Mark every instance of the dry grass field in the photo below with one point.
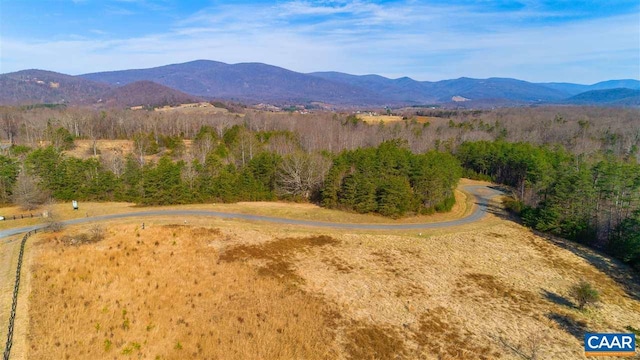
(84, 148)
(226, 289)
(194, 108)
(376, 119)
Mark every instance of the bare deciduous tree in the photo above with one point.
(53, 221)
(114, 162)
(245, 147)
(10, 125)
(27, 193)
(141, 146)
(580, 129)
(283, 144)
(301, 174)
(189, 173)
(202, 147)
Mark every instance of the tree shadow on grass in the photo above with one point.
(576, 328)
(625, 276)
(558, 299)
(502, 188)
(500, 212)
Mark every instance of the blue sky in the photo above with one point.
(533, 40)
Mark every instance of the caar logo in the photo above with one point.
(596, 344)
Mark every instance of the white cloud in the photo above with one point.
(398, 39)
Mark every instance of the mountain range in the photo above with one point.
(262, 83)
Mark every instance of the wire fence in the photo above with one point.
(14, 304)
(20, 216)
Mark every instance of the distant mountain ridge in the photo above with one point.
(146, 93)
(574, 89)
(46, 87)
(39, 86)
(618, 96)
(262, 83)
(244, 82)
(409, 90)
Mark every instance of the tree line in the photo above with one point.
(240, 166)
(574, 170)
(592, 200)
(581, 130)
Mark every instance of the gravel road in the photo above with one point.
(483, 194)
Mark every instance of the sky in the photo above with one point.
(534, 40)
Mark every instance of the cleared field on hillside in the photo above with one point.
(84, 148)
(228, 289)
(195, 108)
(374, 119)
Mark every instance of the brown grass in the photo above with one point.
(457, 296)
(442, 334)
(232, 289)
(193, 108)
(84, 148)
(162, 293)
(484, 288)
(374, 119)
(369, 342)
(277, 254)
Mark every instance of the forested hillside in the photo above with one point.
(574, 171)
(593, 200)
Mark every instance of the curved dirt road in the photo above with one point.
(483, 194)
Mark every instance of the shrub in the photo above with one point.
(96, 233)
(53, 223)
(585, 294)
(513, 205)
(633, 330)
(446, 204)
